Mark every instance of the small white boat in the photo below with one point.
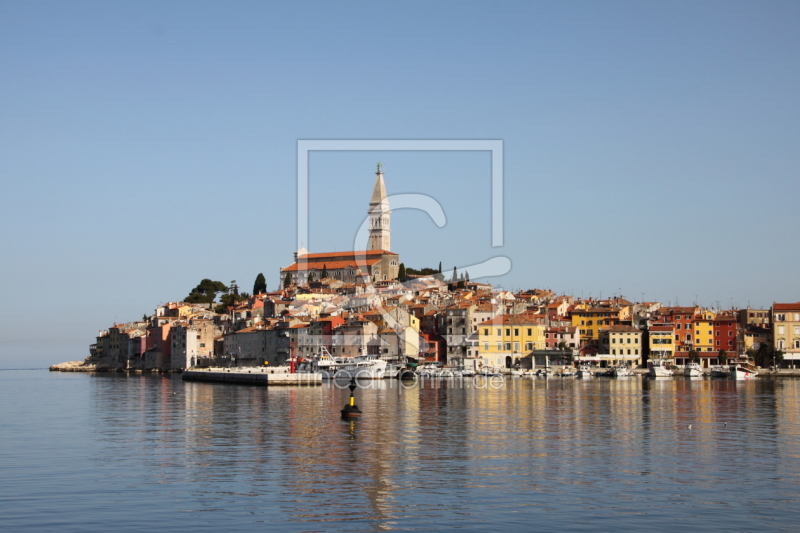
(567, 373)
(584, 372)
(658, 369)
(693, 370)
(622, 371)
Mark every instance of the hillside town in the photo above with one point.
(356, 303)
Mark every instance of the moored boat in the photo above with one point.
(584, 372)
(693, 370)
(621, 371)
(658, 368)
(743, 371)
(720, 371)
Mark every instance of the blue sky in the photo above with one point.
(648, 148)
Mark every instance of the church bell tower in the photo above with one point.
(379, 215)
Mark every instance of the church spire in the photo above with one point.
(379, 192)
(379, 214)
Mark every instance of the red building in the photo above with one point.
(726, 333)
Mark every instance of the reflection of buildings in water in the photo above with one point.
(787, 417)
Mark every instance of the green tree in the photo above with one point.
(694, 356)
(455, 275)
(310, 277)
(764, 354)
(287, 280)
(260, 285)
(440, 267)
(722, 356)
(205, 292)
(562, 346)
(401, 272)
(230, 299)
(324, 272)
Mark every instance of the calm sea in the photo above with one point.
(85, 452)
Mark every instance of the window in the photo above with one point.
(613, 351)
(530, 332)
(485, 346)
(529, 346)
(629, 340)
(717, 333)
(797, 343)
(590, 323)
(499, 346)
(613, 340)
(508, 346)
(688, 336)
(498, 332)
(717, 342)
(629, 351)
(780, 330)
(636, 351)
(582, 323)
(516, 332)
(516, 346)
(508, 332)
(797, 330)
(780, 317)
(590, 332)
(486, 332)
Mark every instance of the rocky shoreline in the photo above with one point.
(83, 366)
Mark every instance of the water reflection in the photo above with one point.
(447, 452)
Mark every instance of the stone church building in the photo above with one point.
(377, 263)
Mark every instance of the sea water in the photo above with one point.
(84, 452)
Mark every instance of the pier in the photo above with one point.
(252, 376)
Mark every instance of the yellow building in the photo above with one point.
(662, 341)
(755, 336)
(704, 332)
(786, 331)
(504, 339)
(592, 320)
(624, 340)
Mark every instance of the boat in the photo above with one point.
(517, 373)
(658, 368)
(743, 371)
(584, 372)
(720, 371)
(567, 373)
(359, 367)
(621, 371)
(693, 370)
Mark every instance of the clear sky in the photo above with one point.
(648, 148)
